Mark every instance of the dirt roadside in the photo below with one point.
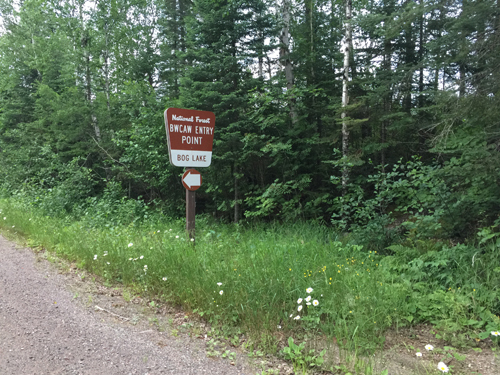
(49, 324)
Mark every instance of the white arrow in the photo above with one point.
(192, 180)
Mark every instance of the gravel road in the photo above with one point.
(48, 328)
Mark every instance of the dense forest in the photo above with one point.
(368, 115)
(356, 160)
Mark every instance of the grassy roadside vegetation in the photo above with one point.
(257, 279)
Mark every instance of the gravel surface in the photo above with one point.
(46, 327)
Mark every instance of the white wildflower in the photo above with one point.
(442, 366)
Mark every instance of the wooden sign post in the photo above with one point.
(191, 179)
(190, 135)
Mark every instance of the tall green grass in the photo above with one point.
(262, 271)
(251, 278)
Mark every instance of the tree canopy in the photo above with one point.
(83, 86)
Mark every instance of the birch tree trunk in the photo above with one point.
(421, 43)
(106, 68)
(386, 64)
(285, 56)
(345, 93)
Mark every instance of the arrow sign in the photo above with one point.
(191, 179)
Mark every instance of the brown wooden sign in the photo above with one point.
(190, 136)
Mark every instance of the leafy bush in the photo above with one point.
(421, 201)
(407, 197)
(57, 189)
(112, 208)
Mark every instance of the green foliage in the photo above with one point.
(254, 277)
(418, 200)
(262, 271)
(472, 177)
(58, 187)
(452, 287)
(282, 200)
(88, 85)
(142, 165)
(83, 152)
(112, 209)
(302, 361)
(410, 194)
